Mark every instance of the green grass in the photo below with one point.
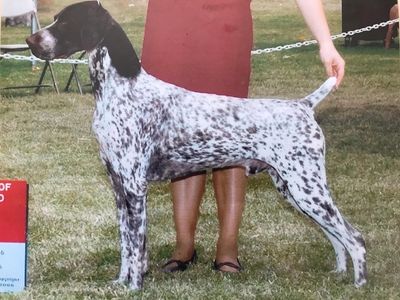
(73, 234)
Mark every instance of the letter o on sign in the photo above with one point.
(1, 198)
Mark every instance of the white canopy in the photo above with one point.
(12, 8)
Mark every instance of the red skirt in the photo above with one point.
(200, 45)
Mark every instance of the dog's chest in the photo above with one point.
(113, 125)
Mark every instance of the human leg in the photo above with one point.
(230, 189)
(186, 198)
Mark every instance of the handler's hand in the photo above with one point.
(333, 62)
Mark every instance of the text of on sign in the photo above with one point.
(4, 187)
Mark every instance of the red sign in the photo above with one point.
(13, 211)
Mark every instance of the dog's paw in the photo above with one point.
(119, 281)
(135, 285)
(129, 283)
(359, 283)
(339, 271)
(122, 279)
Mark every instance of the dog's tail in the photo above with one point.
(315, 98)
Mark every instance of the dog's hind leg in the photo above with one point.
(311, 196)
(340, 250)
(340, 253)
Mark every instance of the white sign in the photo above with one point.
(12, 267)
(13, 235)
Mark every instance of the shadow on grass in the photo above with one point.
(372, 130)
(99, 266)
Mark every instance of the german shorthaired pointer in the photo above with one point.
(149, 130)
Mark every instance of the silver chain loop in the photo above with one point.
(254, 52)
(333, 37)
(34, 58)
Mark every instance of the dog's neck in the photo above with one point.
(123, 56)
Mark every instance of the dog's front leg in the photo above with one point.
(132, 219)
(131, 196)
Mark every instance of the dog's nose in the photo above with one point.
(33, 39)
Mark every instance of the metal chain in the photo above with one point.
(259, 51)
(34, 58)
(334, 37)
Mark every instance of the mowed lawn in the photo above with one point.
(73, 234)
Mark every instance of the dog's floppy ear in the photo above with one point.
(93, 32)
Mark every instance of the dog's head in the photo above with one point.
(81, 26)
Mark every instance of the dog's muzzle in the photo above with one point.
(42, 44)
